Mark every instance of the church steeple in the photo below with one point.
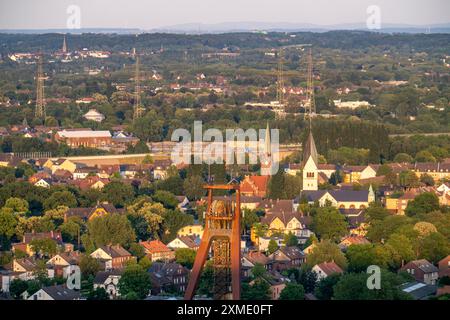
(267, 142)
(64, 47)
(309, 150)
(310, 164)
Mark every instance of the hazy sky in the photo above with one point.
(147, 14)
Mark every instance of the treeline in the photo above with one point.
(247, 40)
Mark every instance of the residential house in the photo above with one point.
(325, 269)
(254, 186)
(353, 239)
(419, 290)
(287, 222)
(9, 160)
(64, 264)
(444, 267)
(422, 270)
(276, 282)
(168, 277)
(185, 242)
(191, 230)
(157, 251)
(60, 292)
(287, 257)
(89, 213)
(26, 266)
(83, 172)
(109, 280)
(60, 164)
(112, 256)
(28, 237)
(44, 183)
(352, 174)
(397, 205)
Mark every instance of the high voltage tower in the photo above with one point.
(311, 106)
(40, 100)
(137, 109)
(280, 78)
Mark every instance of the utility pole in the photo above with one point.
(40, 100)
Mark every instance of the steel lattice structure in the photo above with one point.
(222, 235)
(40, 100)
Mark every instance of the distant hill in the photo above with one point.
(247, 26)
(200, 28)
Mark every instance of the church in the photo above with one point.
(342, 199)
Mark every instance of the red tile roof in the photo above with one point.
(154, 246)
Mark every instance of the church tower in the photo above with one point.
(310, 164)
(266, 159)
(64, 46)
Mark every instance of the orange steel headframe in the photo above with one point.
(221, 229)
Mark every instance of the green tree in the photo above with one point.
(118, 193)
(434, 247)
(276, 186)
(167, 198)
(135, 280)
(361, 256)
(8, 223)
(185, 257)
(353, 286)
(408, 179)
(403, 158)
(376, 211)
(17, 205)
(290, 240)
(272, 246)
(98, 294)
(111, 229)
(293, 291)
(60, 198)
(137, 250)
(425, 156)
(329, 223)
(193, 187)
(427, 179)
(326, 251)
(258, 290)
(89, 266)
(44, 247)
(17, 287)
(401, 249)
(324, 288)
(423, 203)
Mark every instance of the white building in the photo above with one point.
(351, 104)
(94, 115)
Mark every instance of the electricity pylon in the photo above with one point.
(137, 109)
(310, 87)
(280, 78)
(40, 112)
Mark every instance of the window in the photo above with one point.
(310, 174)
